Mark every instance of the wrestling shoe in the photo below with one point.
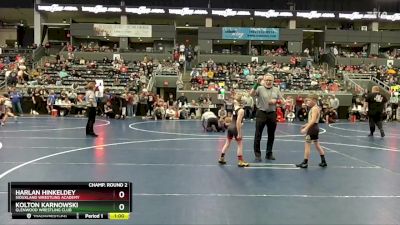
(303, 165)
(323, 164)
(222, 161)
(242, 163)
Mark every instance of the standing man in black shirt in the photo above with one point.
(375, 104)
(182, 100)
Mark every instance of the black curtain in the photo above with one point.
(25, 36)
(44, 32)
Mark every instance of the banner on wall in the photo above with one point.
(116, 56)
(118, 30)
(100, 88)
(247, 33)
(389, 62)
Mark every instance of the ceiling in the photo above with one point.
(331, 5)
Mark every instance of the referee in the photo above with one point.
(267, 96)
(210, 122)
(375, 103)
(91, 108)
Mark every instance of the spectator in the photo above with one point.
(248, 103)
(334, 102)
(222, 112)
(183, 114)
(182, 100)
(194, 73)
(170, 113)
(16, 101)
(108, 110)
(159, 112)
(302, 113)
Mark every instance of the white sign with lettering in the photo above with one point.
(393, 17)
(272, 14)
(230, 12)
(144, 10)
(315, 15)
(100, 9)
(357, 16)
(57, 8)
(118, 30)
(187, 11)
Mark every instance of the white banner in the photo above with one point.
(389, 63)
(118, 30)
(116, 57)
(100, 85)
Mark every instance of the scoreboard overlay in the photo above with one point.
(70, 200)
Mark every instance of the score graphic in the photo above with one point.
(73, 200)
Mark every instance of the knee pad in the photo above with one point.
(239, 139)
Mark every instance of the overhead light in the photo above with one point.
(263, 42)
(234, 41)
(315, 31)
(187, 24)
(333, 42)
(161, 39)
(388, 43)
(272, 42)
(88, 36)
(355, 42)
(217, 41)
(188, 28)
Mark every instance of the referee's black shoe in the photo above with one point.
(303, 165)
(270, 156)
(323, 164)
(92, 134)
